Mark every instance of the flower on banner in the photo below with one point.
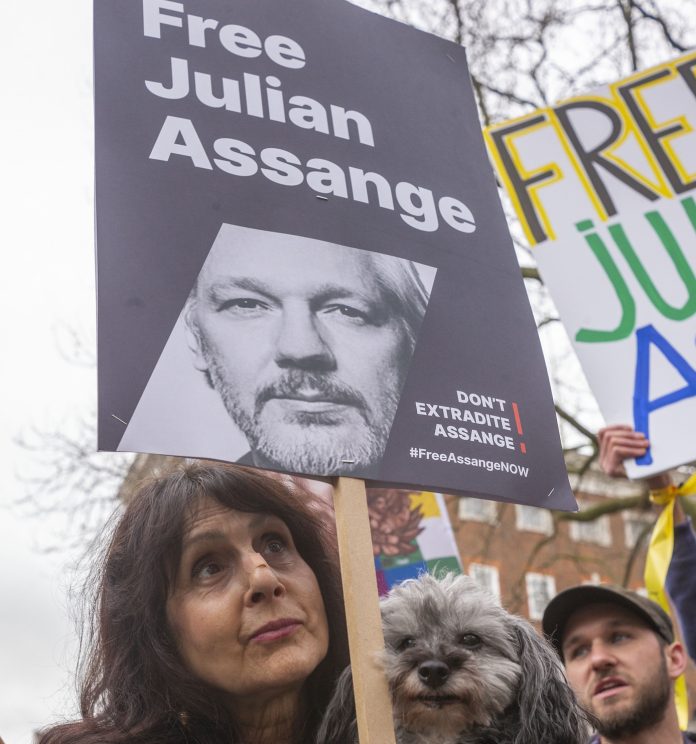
(394, 522)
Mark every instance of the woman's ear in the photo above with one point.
(676, 659)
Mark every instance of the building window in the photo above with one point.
(533, 519)
(636, 526)
(487, 577)
(477, 510)
(541, 589)
(598, 531)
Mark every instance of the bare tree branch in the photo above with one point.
(604, 507)
(626, 8)
(660, 22)
(576, 424)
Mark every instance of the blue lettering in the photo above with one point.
(642, 405)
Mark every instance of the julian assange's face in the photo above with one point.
(246, 610)
(303, 347)
(618, 668)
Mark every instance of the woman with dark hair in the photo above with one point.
(219, 617)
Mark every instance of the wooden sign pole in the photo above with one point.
(372, 700)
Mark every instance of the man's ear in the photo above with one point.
(676, 659)
(193, 336)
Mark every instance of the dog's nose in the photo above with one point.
(433, 673)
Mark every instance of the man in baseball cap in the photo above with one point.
(621, 659)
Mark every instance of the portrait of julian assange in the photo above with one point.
(290, 353)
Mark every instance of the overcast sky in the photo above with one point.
(48, 281)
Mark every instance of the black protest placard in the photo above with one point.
(302, 260)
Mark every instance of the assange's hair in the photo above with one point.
(511, 686)
(399, 283)
(403, 289)
(134, 687)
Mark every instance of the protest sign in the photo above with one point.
(603, 185)
(302, 259)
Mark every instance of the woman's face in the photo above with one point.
(246, 611)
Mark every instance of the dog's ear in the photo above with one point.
(339, 725)
(548, 708)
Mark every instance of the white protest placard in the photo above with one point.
(604, 187)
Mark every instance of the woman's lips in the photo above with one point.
(274, 631)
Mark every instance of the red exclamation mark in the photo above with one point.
(518, 423)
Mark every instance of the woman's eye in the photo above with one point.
(469, 640)
(206, 568)
(275, 544)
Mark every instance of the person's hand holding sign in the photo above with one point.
(620, 442)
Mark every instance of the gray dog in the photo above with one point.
(462, 670)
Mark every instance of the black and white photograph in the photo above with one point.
(290, 353)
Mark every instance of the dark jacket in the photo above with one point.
(681, 583)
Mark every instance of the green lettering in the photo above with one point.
(670, 244)
(628, 305)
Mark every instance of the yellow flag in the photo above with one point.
(657, 564)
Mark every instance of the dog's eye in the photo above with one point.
(469, 640)
(405, 643)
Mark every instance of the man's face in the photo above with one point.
(301, 344)
(618, 668)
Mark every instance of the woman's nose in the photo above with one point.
(300, 343)
(264, 584)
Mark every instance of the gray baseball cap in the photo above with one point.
(563, 605)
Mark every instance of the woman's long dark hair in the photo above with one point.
(134, 686)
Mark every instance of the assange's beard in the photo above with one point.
(648, 709)
(325, 444)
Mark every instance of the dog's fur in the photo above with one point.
(493, 680)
